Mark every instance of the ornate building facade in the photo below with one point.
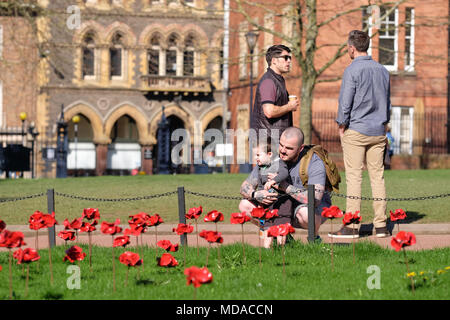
(115, 65)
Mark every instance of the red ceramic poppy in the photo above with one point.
(167, 245)
(121, 241)
(332, 212)
(271, 213)
(75, 224)
(130, 259)
(167, 260)
(67, 235)
(258, 212)
(183, 228)
(2, 225)
(403, 239)
(134, 230)
(398, 214)
(351, 218)
(211, 236)
(111, 228)
(74, 253)
(49, 220)
(35, 221)
(141, 219)
(90, 214)
(26, 256)
(280, 230)
(198, 276)
(194, 213)
(88, 227)
(11, 239)
(213, 216)
(155, 220)
(239, 218)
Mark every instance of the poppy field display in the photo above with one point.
(156, 268)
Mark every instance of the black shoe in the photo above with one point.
(382, 232)
(345, 233)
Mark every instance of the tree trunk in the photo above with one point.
(308, 84)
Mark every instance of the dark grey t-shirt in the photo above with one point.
(260, 174)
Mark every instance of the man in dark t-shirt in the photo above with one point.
(293, 206)
(272, 109)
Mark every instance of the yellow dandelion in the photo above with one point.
(440, 271)
(411, 274)
(422, 273)
(447, 268)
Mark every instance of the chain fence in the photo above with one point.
(221, 197)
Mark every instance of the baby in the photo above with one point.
(267, 164)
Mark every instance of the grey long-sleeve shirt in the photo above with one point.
(364, 99)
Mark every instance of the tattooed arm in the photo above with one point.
(248, 188)
(301, 195)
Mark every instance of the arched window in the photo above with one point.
(88, 51)
(171, 55)
(188, 56)
(116, 55)
(153, 54)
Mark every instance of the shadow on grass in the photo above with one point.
(367, 229)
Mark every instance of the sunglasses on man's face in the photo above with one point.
(285, 57)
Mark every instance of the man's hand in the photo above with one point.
(293, 104)
(341, 131)
(265, 197)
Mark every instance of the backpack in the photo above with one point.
(333, 176)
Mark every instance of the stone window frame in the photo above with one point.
(409, 51)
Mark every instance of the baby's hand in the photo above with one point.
(269, 184)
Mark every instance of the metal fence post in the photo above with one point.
(181, 213)
(51, 208)
(311, 213)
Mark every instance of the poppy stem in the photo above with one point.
(218, 253)
(398, 227)
(353, 243)
(36, 245)
(332, 262)
(126, 277)
(259, 236)
(243, 246)
(184, 258)
(113, 265)
(156, 241)
(142, 252)
(407, 270)
(10, 274)
(284, 271)
(195, 293)
(207, 254)
(196, 230)
(90, 251)
(26, 281)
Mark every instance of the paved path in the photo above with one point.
(428, 236)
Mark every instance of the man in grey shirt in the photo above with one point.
(364, 108)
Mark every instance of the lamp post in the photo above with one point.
(252, 38)
(75, 120)
(61, 146)
(34, 134)
(23, 117)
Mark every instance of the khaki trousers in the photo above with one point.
(358, 148)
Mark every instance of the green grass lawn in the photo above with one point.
(308, 275)
(408, 183)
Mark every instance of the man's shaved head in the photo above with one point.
(291, 132)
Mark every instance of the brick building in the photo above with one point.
(411, 41)
(115, 64)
